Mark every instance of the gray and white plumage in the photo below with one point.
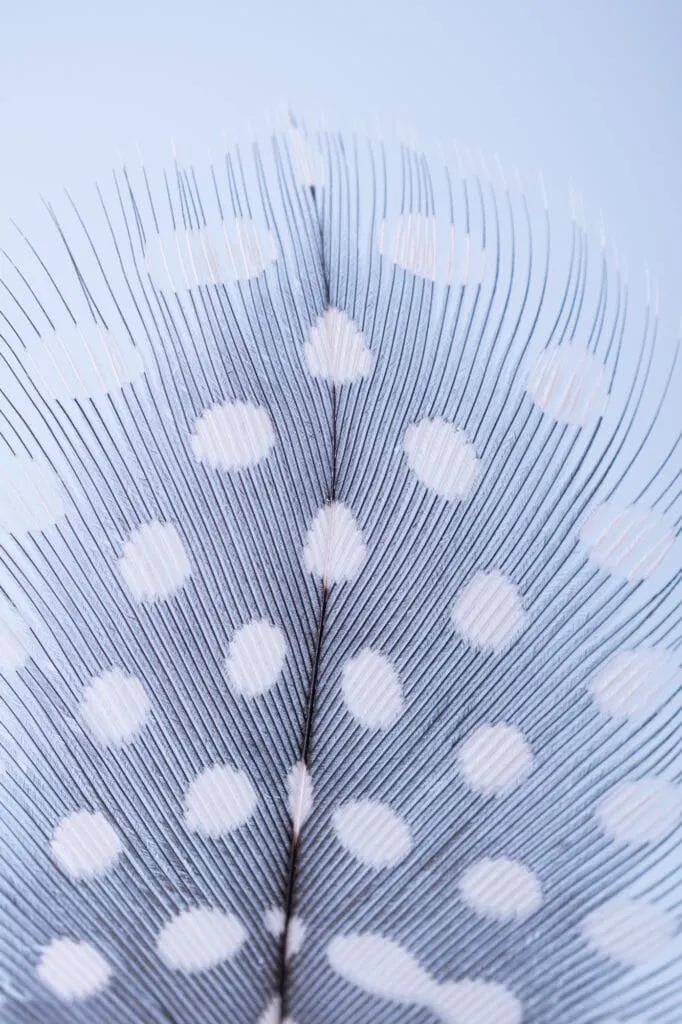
(340, 595)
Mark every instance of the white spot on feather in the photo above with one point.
(630, 932)
(85, 845)
(255, 658)
(300, 794)
(336, 350)
(15, 639)
(569, 384)
(154, 562)
(442, 458)
(334, 550)
(494, 759)
(114, 707)
(199, 939)
(87, 362)
(274, 923)
(215, 254)
(381, 967)
(371, 689)
(502, 889)
(413, 244)
(632, 684)
(219, 801)
(30, 495)
(477, 1002)
(629, 543)
(233, 436)
(487, 612)
(642, 811)
(73, 970)
(387, 970)
(373, 833)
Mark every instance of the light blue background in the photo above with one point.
(587, 91)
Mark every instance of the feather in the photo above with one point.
(339, 605)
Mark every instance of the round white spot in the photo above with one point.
(494, 759)
(14, 639)
(255, 658)
(154, 562)
(477, 1002)
(633, 684)
(502, 889)
(641, 812)
(199, 939)
(300, 795)
(381, 967)
(488, 613)
(180, 260)
(629, 543)
(233, 436)
(373, 833)
(336, 350)
(218, 801)
(274, 923)
(73, 970)
(114, 708)
(569, 384)
(87, 362)
(371, 689)
(442, 458)
(334, 549)
(30, 494)
(84, 845)
(413, 244)
(629, 931)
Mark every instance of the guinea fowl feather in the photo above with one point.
(339, 604)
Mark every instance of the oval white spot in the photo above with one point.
(85, 845)
(488, 613)
(494, 759)
(30, 495)
(644, 811)
(199, 939)
(629, 543)
(274, 923)
(413, 244)
(255, 658)
(300, 795)
(629, 931)
(381, 967)
(337, 351)
(569, 384)
(334, 550)
(114, 708)
(442, 458)
(15, 639)
(219, 800)
(371, 689)
(73, 970)
(154, 562)
(178, 261)
(477, 1002)
(502, 889)
(373, 833)
(233, 436)
(633, 684)
(86, 362)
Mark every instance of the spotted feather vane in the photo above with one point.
(339, 604)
